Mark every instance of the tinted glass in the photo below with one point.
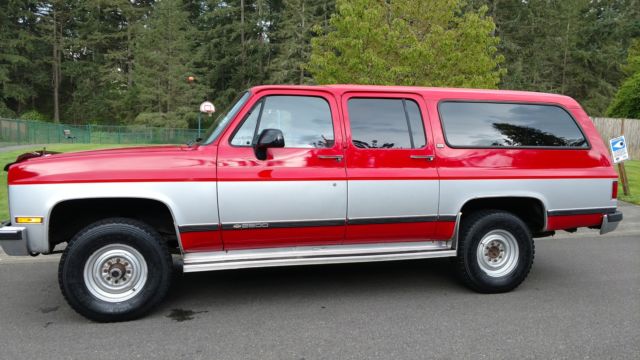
(384, 124)
(509, 125)
(304, 121)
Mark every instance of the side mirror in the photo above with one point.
(268, 138)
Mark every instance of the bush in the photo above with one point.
(626, 103)
(5, 112)
(34, 115)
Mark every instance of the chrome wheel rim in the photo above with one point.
(497, 253)
(115, 273)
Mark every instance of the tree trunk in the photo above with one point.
(56, 70)
(242, 44)
(566, 54)
(129, 57)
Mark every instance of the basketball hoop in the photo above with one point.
(207, 108)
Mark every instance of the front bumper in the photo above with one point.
(13, 240)
(610, 222)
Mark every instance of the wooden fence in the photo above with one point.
(610, 128)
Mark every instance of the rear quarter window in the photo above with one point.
(513, 125)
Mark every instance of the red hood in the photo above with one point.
(149, 163)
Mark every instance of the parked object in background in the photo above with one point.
(298, 175)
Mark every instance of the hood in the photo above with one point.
(147, 163)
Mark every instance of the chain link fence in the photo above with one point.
(18, 132)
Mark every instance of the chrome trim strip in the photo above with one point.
(198, 228)
(587, 211)
(281, 224)
(333, 222)
(392, 220)
(309, 255)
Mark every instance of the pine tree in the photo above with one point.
(573, 47)
(164, 56)
(407, 43)
(236, 49)
(21, 71)
(298, 22)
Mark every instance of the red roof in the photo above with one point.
(435, 92)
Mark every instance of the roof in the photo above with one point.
(435, 93)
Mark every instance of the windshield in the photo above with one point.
(223, 119)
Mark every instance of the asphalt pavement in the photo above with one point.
(581, 300)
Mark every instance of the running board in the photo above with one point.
(313, 255)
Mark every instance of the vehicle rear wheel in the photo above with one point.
(115, 270)
(495, 251)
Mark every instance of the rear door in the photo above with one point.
(393, 181)
(297, 196)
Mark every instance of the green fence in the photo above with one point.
(17, 132)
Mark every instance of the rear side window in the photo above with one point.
(480, 125)
(305, 121)
(386, 124)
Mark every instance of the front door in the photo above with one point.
(393, 181)
(298, 195)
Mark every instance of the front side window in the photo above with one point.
(482, 125)
(305, 122)
(386, 124)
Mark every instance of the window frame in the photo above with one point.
(260, 102)
(508, 102)
(400, 96)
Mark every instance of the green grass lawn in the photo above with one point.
(633, 174)
(10, 156)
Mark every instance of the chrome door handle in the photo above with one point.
(426, 157)
(331, 157)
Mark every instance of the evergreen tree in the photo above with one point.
(21, 72)
(164, 56)
(407, 43)
(236, 50)
(573, 47)
(298, 22)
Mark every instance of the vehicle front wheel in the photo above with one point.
(115, 270)
(495, 251)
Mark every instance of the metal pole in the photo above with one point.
(199, 123)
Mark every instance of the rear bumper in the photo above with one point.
(610, 222)
(13, 240)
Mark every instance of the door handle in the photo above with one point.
(426, 157)
(331, 157)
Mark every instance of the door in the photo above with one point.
(393, 181)
(297, 196)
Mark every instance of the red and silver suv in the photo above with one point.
(298, 175)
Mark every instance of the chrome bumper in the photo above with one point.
(610, 222)
(13, 240)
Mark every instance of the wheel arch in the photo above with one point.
(531, 209)
(109, 207)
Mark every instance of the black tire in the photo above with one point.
(471, 269)
(115, 232)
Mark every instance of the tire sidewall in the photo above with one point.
(506, 222)
(95, 238)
